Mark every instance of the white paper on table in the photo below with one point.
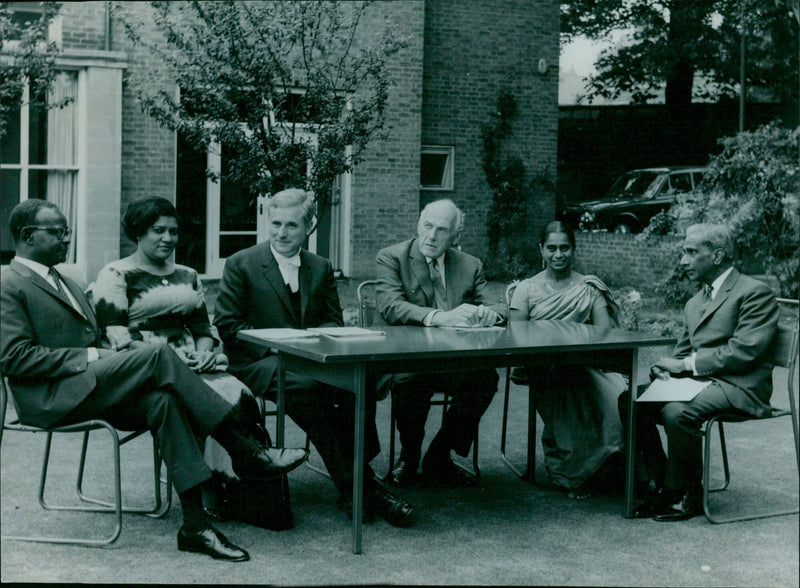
(347, 332)
(672, 390)
(492, 328)
(282, 334)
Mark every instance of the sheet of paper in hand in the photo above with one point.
(672, 390)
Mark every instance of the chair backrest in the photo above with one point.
(367, 302)
(784, 348)
(509, 295)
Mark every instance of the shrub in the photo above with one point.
(753, 187)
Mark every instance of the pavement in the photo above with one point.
(504, 532)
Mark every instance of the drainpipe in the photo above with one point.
(107, 46)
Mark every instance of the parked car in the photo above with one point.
(634, 198)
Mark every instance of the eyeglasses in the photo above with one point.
(59, 232)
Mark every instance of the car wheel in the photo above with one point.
(623, 228)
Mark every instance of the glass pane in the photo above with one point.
(431, 169)
(37, 139)
(237, 205)
(191, 205)
(37, 184)
(9, 148)
(230, 244)
(9, 198)
(680, 182)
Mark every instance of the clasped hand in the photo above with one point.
(466, 315)
(666, 366)
(200, 361)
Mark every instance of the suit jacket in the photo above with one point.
(253, 295)
(43, 345)
(405, 291)
(732, 337)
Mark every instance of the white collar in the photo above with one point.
(717, 284)
(39, 268)
(439, 260)
(283, 260)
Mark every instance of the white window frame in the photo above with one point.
(449, 167)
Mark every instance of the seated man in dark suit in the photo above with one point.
(730, 324)
(50, 351)
(428, 282)
(278, 284)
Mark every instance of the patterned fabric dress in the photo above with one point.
(134, 305)
(578, 406)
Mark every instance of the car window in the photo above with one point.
(698, 178)
(680, 182)
(632, 185)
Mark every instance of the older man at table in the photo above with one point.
(278, 284)
(428, 282)
(730, 324)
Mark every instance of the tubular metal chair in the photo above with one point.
(159, 509)
(367, 305)
(783, 353)
(519, 377)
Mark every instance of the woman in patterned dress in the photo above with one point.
(578, 406)
(146, 298)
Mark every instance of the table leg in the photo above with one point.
(359, 378)
(280, 401)
(530, 469)
(630, 442)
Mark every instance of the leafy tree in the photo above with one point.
(514, 208)
(263, 79)
(25, 56)
(673, 40)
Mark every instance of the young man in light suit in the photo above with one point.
(730, 325)
(278, 284)
(428, 282)
(60, 373)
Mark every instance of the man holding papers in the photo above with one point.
(730, 324)
(278, 284)
(428, 282)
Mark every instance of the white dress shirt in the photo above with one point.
(290, 268)
(428, 320)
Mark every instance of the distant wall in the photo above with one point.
(621, 260)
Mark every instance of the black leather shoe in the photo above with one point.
(211, 542)
(656, 503)
(689, 506)
(396, 511)
(404, 475)
(443, 472)
(269, 462)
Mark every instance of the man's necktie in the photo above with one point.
(439, 292)
(706, 295)
(61, 290)
(59, 286)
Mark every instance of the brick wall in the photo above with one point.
(473, 48)
(623, 260)
(385, 192)
(83, 25)
(148, 151)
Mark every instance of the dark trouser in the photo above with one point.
(153, 388)
(411, 398)
(325, 413)
(682, 422)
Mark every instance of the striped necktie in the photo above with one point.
(53, 273)
(439, 292)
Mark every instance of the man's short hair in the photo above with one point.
(295, 197)
(24, 215)
(714, 237)
(143, 213)
(459, 224)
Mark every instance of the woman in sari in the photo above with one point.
(145, 298)
(578, 406)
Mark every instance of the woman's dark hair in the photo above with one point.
(558, 227)
(143, 214)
